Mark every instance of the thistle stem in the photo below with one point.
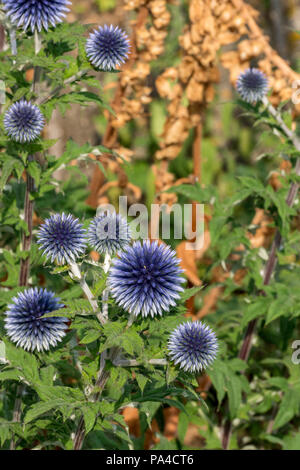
(134, 363)
(27, 236)
(103, 375)
(56, 90)
(75, 270)
(13, 41)
(272, 259)
(106, 266)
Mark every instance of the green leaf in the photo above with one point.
(188, 293)
(90, 336)
(40, 408)
(141, 380)
(289, 407)
(6, 171)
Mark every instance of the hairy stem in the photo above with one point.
(27, 236)
(105, 294)
(16, 413)
(272, 259)
(103, 375)
(94, 304)
(28, 218)
(56, 90)
(133, 363)
(13, 41)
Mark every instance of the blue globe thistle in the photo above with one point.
(252, 85)
(108, 233)
(24, 324)
(36, 14)
(146, 279)
(62, 238)
(193, 346)
(23, 121)
(107, 47)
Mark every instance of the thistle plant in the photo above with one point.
(93, 320)
(64, 314)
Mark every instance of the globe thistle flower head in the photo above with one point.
(23, 122)
(24, 323)
(36, 14)
(107, 47)
(252, 85)
(193, 346)
(109, 233)
(62, 238)
(145, 280)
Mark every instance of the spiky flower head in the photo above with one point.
(24, 323)
(252, 85)
(107, 47)
(193, 346)
(109, 233)
(62, 238)
(145, 280)
(36, 14)
(23, 121)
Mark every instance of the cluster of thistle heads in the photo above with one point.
(107, 48)
(144, 279)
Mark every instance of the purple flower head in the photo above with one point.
(107, 47)
(36, 14)
(109, 233)
(62, 238)
(146, 279)
(23, 122)
(24, 324)
(193, 346)
(252, 85)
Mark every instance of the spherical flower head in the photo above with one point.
(24, 323)
(252, 85)
(23, 122)
(109, 233)
(193, 346)
(107, 47)
(62, 238)
(36, 14)
(145, 280)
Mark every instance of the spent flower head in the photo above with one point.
(24, 323)
(62, 238)
(145, 280)
(193, 346)
(107, 47)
